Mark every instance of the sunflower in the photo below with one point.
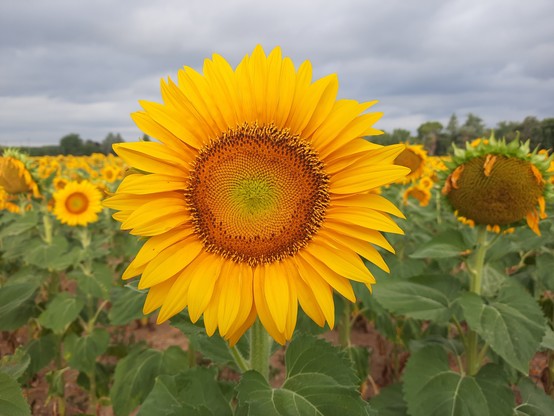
(497, 184)
(257, 197)
(15, 177)
(414, 157)
(78, 203)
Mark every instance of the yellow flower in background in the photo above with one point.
(15, 178)
(78, 203)
(414, 157)
(498, 184)
(258, 197)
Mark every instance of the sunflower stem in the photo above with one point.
(345, 325)
(241, 363)
(473, 355)
(259, 349)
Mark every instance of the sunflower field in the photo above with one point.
(265, 256)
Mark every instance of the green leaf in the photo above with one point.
(359, 356)
(16, 304)
(422, 297)
(42, 351)
(194, 392)
(54, 256)
(390, 401)
(21, 224)
(60, 312)
(127, 305)
(12, 402)
(81, 351)
(135, 375)
(320, 382)
(493, 279)
(534, 402)
(545, 265)
(214, 348)
(431, 388)
(96, 283)
(512, 324)
(447, 244)
(15, 365)
(548, 339)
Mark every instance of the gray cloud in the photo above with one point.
(70, 66)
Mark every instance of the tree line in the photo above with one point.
(436, 138)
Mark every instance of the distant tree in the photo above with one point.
(471, 129)
(453, 128)
(72, 144)
(91, 147)
(145, 138)
(507, 130)
(429, 134)
(106, 145)
(397, 136)
(531, 129)
(547, 126)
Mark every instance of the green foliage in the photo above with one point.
(60, 312)
(433, 389)
(320, 381)
(512, 323)
(82, 351)
(12, 401)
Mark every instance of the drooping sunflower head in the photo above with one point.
(258, 196)
(78, 203)
(414, 157)
(15, 174)
(498, 184)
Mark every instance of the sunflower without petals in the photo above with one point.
(257, 197)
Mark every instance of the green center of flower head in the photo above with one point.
(76, 203)
(254, 196)
(257, 194)
(497, 190)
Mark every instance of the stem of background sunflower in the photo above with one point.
(345, 324)
(473, 363)
(260, 348)
(47, 222)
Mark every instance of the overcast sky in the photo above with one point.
(81, 66)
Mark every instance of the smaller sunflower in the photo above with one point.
(497, 184)
(414, 157)
(15, 176)
(78, 203)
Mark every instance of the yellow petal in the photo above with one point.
(373, 201)
(151, 183)
(177, 297)
(157, 295)
(261, 305)
(170, 261)
(363, 179)
(152, 157)
(276, 289)
(359, 232)
(203, 278)
(367, 218)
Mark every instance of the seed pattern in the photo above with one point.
(257, 194)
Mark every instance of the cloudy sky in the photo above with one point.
(81, 66)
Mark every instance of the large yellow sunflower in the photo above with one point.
(78, 203)
(258, 197)
(15, 177)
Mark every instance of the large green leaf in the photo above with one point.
(95, 283)
(431, 388)
(135, 375)
(15, 365)
(81, 351)
(127, 304)
(447, 244)
(422, 297)
(512, 324)
(21, 224)
(12, 402)
(213, 348)
(41, 350)
(54, 256)
(16, 304)
(545, 265)
(320, 382)
(193, 392)
(60, 312)
(534, 402)
(390, 401)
